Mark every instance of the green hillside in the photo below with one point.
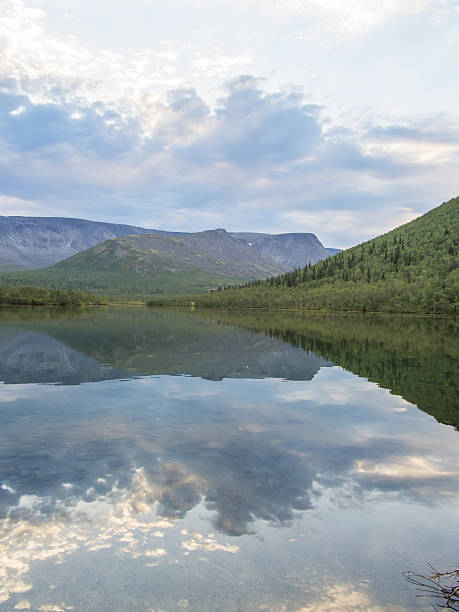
(413, 268)
(152, 264)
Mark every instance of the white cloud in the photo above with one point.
(103, 523)
(337, 223)
(134, 118)
(52, 69)
(358, 16)
(220, 66)
(17, 206)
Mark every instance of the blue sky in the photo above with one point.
(338, 117)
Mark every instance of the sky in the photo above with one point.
(337, 117)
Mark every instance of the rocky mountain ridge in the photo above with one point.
(40, 242)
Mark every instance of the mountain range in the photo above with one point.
(122, 259)
(39, 242)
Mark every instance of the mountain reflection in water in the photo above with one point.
(138, 470)
(108, 344)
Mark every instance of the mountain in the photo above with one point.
(214, 251)
(154, 263)
(114, 259)
(413, 268)
(39, 242)
(288, 250)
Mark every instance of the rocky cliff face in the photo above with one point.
(288, 250)
(39, 242)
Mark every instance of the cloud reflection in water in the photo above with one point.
(152, 472)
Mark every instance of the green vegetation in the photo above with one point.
(412, 269)
(121, 285)
(37, 296)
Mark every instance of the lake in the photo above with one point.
(165, 460)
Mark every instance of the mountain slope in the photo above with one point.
(39, 242)
(413, 268)
(214, 251)
(154, 263)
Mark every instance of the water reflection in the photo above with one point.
(119, 479)
(415, 357)
(121, 343)
(143, 474)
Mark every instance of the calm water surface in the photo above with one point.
(158, 460)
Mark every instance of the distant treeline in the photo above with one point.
(113, 285)
(412, 269)
(37, 296)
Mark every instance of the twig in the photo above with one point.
(441, 586)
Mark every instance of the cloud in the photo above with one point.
(58, 69)
(49, 128)
(336, 222)
(127, 136)
(186, 165)
(218, 67)
(432, 141)
(253, 131)
(360, 16)
(246, 468)
(15, 206)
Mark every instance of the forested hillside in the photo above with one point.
(413, 268)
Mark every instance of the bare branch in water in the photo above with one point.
(442, 587)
